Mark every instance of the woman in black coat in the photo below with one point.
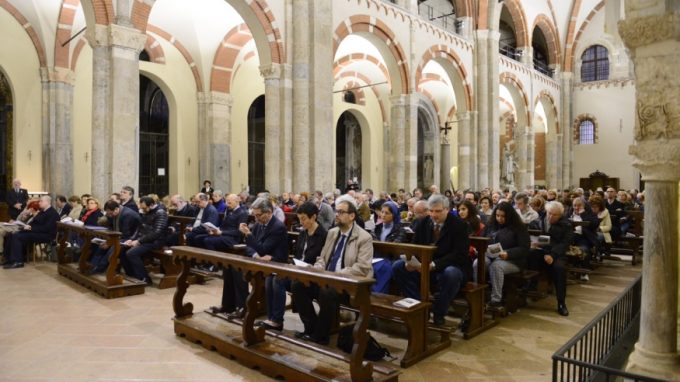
(390, 230)
(507, 229)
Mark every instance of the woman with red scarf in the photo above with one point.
(93, 212)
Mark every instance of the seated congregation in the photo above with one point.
(430, 252)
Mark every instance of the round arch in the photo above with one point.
(452, 64)
(519, 21)
(550, 107)
(519, 98)
(428, 147)
(97, 12)
(366, 144)
(222, 72)
(384, 39)
(546, 26)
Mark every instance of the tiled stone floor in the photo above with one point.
(54, 330)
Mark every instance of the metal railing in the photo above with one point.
(509, 51)
(543, 68)
(445, 20)
(584, 357)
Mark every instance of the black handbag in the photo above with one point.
(374, 351)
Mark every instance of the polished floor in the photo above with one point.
(54, 330)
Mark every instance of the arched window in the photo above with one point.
(256, 145)
(349, 97)
(595, 64)
(586, 132)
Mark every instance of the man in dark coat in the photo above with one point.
(120, 219)
(451, 266)
(17, 198)
(150, 235)
(42, 229)
(553, 257)
(206, 214)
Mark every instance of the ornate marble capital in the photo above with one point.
(57, 74)
(272, 71)
(116, 35)
(657, 159)
(647, 30)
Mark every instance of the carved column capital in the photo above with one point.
(637, 32)
(116, 35)
(272, 71)
(657, 159)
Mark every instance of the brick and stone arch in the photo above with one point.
(363, 80)
(67, 14)
(519, 19)
(546, 26)
(384, 39)
(32, 34)
(550, 107)
(98, 12)
(182, 50)
(223, 67)
(452, 64)
(519, 95)
(572, 43)
(356, 89)
(347, 60)
(154, 49)
(577, 127)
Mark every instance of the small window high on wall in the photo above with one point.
(595, 64)
(586, 132)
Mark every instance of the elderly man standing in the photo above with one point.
(42, 229)
(17, 198)
(451, 266)
(553, 257)
(348, 250)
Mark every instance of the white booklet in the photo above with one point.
(300, 263)
(16, 223)
(406, 302)
(414, 262)
(494, 250)
(98, 241)
(210, 226)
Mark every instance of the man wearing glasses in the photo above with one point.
(451, 266)
(348, 250)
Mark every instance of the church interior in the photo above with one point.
(569, 98)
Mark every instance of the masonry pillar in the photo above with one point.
(521, 153)
(531, 158)
(312, 95)
(272, 134)
(57, 84)
(464, 158)
(401, 157)
(565, 123)
(651, 32)
(214, 137)
(115, 107)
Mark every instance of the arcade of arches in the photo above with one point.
(162, 94)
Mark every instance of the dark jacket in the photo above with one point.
(271, 239)
(188, 211)
(314, 245)
(45, 222)
(93, 218)
(132, 205)
(65, 211)
(210, 215)
(515, 242)
(452, 246)
(561, 234)
(153, 227)
(589, 232)
(13, 198)
(232, 220)
(397, 235)
(127, 223)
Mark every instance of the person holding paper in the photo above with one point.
(451, 266)
(268, 241)
(42, 229)
(25, 217)
(348, 250)
(120, 219)
(553, 257)
(207, 214)
(313, 236)
(149, 236)
(390, 230)
(507, 231)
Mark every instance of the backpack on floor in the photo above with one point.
(374, 351)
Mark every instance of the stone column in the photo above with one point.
(521, 153)
(312, 95)
(565, 121)
(214, 137)
(651, 32)
(115, 107)
(531, 158)
(559, 158)
(401, 156)
(57, 84)
(464, 163)
(272, 134)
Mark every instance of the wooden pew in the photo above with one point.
(167, 268)
(631, 245)
(281, 355)
(474, 293)
(109, 285)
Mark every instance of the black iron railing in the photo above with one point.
(585, 356)
(445, 20)
(509, 51)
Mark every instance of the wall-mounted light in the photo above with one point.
(30, 155)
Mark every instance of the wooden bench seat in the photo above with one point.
(278, 355)
(110, 284)
(513, 294)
